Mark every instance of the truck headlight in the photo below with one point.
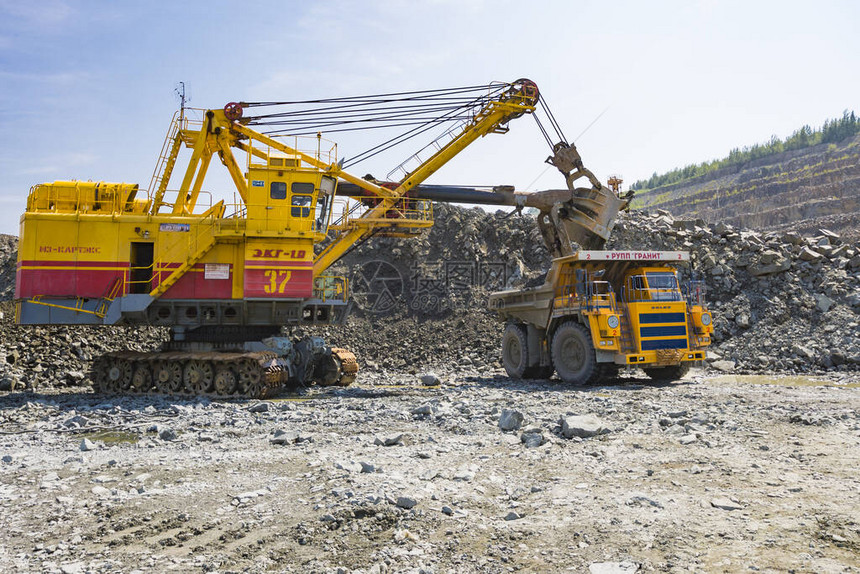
(612, 321)
(706, 319)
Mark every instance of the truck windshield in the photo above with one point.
(653, 286)
(663, 286)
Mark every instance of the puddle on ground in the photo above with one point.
(788, 381)
(113, 437)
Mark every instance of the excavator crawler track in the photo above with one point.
(348, 366)
(256, 375)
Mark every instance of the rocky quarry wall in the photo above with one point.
(783, 302)
(800, 190)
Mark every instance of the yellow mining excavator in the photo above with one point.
(225, 277)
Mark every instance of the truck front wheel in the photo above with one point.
(573, 354)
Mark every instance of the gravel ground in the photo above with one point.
(710, 474)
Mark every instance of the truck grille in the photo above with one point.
(664, 344)
(663, 325)
(647, 318)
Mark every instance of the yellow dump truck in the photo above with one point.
(599, 311)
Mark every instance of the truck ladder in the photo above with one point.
(692, 341)
(627, 345)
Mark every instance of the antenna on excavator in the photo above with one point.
(183, 99)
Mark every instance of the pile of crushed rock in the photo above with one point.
(8, 255)
(782, 302)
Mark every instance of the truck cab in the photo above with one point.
(653, 284)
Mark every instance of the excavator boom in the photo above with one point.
(520, 99)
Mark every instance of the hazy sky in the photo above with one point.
(87, 87)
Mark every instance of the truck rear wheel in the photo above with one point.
(515, 351)
(573, 355)
(672, 373)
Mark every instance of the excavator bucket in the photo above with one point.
(585, 216)
(590, 215)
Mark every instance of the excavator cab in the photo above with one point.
(284, 197)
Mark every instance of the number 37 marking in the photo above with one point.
(277, 281)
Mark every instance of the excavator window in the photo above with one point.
(302, 187)
(302, 199)
(278, 190)
(320, 224)
(301, 205)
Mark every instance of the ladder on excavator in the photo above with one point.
(434, 146)
(205, 241)
(166, 163)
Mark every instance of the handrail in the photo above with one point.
(164, 155)
(58, 195)
(348, 209)
(459, 128)
(596, 295)
(112, 292)
(79, 302)
(83, 202)
(184, 252)
(175, 192)
(404, 209)
(596, 300)
(328, 156)
(695, 292)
